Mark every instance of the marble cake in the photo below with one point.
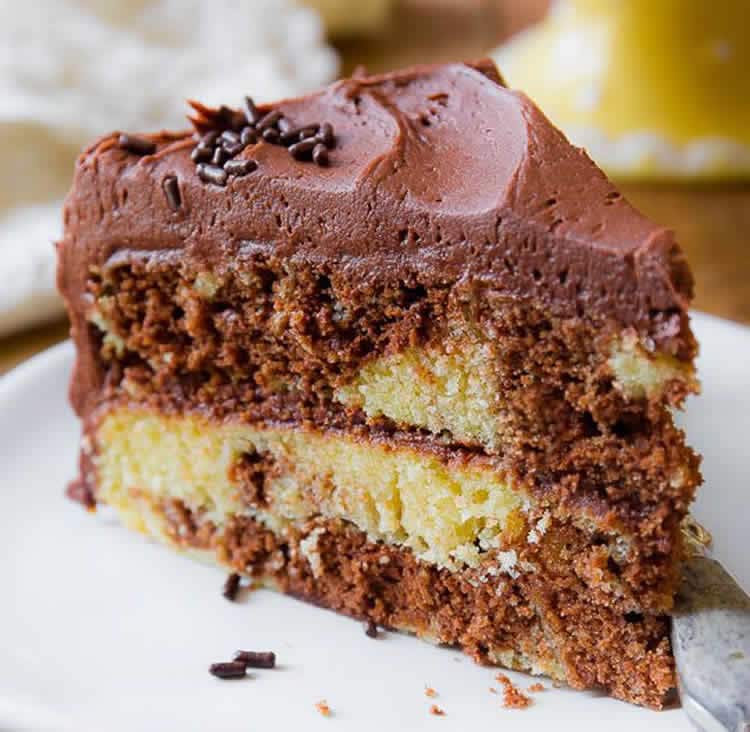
(399, 349)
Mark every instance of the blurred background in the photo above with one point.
(658, 92)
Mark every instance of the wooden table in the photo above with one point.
(712, 223)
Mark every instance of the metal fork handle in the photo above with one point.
(711, 644)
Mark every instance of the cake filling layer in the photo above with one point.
(450, 512)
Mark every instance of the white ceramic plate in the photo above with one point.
(101, 630)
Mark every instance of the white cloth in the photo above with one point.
(74, 69)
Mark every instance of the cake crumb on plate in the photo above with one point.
(323, 708)
(513, 698)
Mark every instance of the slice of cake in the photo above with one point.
(396, 348)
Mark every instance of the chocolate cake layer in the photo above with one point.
(527, 625)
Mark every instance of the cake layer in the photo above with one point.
(455, 369)
(454, 376)
(443, 360)
(540, 624)
(448, 509)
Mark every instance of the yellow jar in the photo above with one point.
(344, 18)
(651, 88)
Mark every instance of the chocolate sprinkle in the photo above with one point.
(228, 670)
(303, 150)
(252, 115)
(233, 149)
(212, 174)
(256, 659)
(371, 630)
(290, 136)
(231, 587)
(240, 167)
(268, 121)
(230, 137)
(326, 136)
(271, 135)
(201, 153)
(296, 134)
(249, 136)
(228, 117)
(136, 145)
(320, 154)
(171, 188)
(210, 138)
(220, 156)
(308, 131)
(224, 114)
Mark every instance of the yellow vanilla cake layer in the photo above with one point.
(448, 512)
(449, 386)
(452, 386)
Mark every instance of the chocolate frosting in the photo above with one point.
(440, 176)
